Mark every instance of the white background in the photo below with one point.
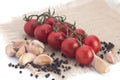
(12, 8)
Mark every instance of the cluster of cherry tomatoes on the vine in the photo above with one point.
(59, 34)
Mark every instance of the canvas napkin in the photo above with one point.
(94, 16)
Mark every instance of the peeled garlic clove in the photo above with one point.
(18, 44)
(100, 65)
(35, 50)
(26, 58)
(38, 43)
(43, 59)
(110, 57)
(21, 51)
(10, 50)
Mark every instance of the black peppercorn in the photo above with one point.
(25, 38)
(10, 64)
(81, 65)
(16, 66)
(118, 52)
(63, 76)
(101, 56)
(53, 79)
(36, 76)
(13, 65)
(20, 72)
(31, 74)
(47, 75)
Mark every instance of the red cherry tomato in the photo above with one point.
(69, 46)
(41, 32)
(64, 26)
(30, 26)
(51, 21)
(94, 42)
(55, 39)
(80, 33)
(84, 55)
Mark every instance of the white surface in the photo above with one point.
(11, 8)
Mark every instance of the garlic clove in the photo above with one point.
(10, 50)
(41, 50)
(43, 59)
(100, 65)
(32, 69)
(38, 44)
(21, 51)
(28, 42)
(110, 57)
(35, 50)
(26, 58)
(18, 44)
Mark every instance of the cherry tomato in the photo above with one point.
(84, 55)
(69, 46)
(63, 26)
(41, 32)
(80, 33)
(66, 25)
(51, 21)
(55, 39)
(94, 42)
(30, 26)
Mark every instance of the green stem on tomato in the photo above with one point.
(53, 12)
(78, 38)
(25, 18)
(30, 17)
(61, 19)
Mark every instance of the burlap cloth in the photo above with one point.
(92, 15)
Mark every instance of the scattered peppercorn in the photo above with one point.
(10, 64)
(63, 76)
(47, 75)
(64, 70)
(69, 67)
(36, 76)
(65, 62)
(106, 47)
(62, 66)
(56, 67)
(118, 51)
(25, 38)
(13, 65)
(75, 64)
(53, 54)
(31, 74)
(63, 55)
(16, 66)
(39, 70)
(22, 67)
(81, 65)
(101, 56)
(20, 72)
(53, 79)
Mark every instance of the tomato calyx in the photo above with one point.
(79, 38)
